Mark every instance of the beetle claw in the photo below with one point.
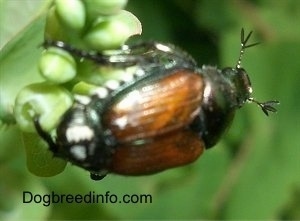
(96, 177)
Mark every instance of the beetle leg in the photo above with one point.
(120, 58)
(44, 135)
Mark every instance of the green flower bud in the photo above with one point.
(107, 35)
(57, 65)
(48, 102)
(54, 30)
(105, 7)
(40, 160)
(113, 31)
(71, 13)
(84, 88)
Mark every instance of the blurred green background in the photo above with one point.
(253, 173)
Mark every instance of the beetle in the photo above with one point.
(162, 118)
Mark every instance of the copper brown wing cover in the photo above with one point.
(157, 108)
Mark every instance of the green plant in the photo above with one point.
(252, 174)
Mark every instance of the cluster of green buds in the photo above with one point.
(92, 25)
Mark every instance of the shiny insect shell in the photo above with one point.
(162, 118)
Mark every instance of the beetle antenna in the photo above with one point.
(244, 41)
(267, 106)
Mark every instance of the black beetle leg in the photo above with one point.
(46, 136)
(123, 59)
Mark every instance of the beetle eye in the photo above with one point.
(240, 82)
(244, 80)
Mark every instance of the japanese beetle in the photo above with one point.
(162, 118)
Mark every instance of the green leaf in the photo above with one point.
(18, 66)
(40, 161)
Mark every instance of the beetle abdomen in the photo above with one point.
(161, 106)
(163, 152)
